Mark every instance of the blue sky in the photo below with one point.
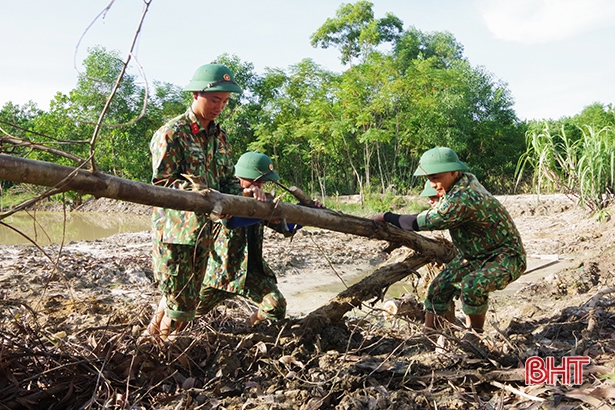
(557, 56)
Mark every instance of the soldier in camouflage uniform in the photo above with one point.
(430, 193)
(490, 252)
(190, 146)
(236, 266)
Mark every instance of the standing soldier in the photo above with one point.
(490, 252)
(191, 144)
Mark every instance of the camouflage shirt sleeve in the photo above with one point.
(183, 147)
(478, 223)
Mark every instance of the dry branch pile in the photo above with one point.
(358, 363)
(72, 336)
(361, 363)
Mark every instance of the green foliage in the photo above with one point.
(15, 121)
(392, 107)
(295, 133)
(168, 101)
(243, 112)
(440, 47)
(582, 167)
(596, 116)
(387, 202)
(356, 32)
(122, 145)
(359, 131)
(17, 194)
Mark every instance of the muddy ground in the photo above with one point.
(72, 321)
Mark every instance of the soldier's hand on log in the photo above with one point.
(317, 204)
(255, 192)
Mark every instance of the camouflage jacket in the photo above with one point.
(478, 223)
(237, 252)
(183, 147)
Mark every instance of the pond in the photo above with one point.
(54, 227)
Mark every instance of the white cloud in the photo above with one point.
(542, 21)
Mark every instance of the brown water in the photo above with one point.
(55, 227)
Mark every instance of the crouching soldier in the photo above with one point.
(490, 252)
(236, 266)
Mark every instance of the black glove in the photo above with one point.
(405, 222)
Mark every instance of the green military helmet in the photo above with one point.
(439, 159)
(428, 190)
(213, 77)
(255, 166)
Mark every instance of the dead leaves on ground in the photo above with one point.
(363, 363)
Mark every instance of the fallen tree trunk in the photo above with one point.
(369, 288)
(99, 184)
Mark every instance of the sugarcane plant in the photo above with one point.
(583, 168)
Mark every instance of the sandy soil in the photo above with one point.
(108, 284)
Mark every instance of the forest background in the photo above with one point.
(360, 131)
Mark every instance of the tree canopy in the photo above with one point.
(361, 130)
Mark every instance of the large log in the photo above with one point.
(370, 287)
(99, 184)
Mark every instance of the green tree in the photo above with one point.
(596, 115)
(243, 113)
(450, 103)
(366, 101)
(122, 144)
(122, 147)
(440, 47)
(15, 123)
(292, 129)
(168, 101)
(58, 128)
(356, 32)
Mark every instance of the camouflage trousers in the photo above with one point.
(472, 281)
(179, 271)
(261, 289)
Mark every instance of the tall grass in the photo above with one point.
(375, 203)
(17, 194)
(582, 168)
